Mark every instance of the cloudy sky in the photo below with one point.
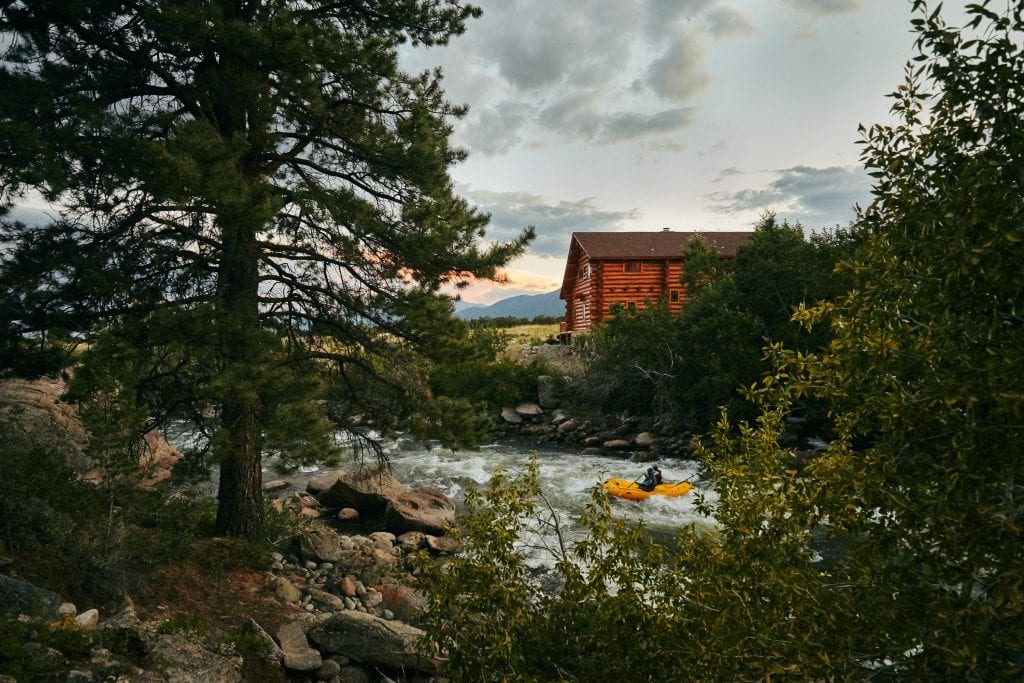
(651, 114)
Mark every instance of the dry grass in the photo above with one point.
(531, 334)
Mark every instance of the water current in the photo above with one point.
(567, 479)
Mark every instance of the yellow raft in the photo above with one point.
(631, 490)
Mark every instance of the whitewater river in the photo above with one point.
(567, 479)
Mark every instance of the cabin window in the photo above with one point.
(584, 272)
(631, 267)
(673, 296)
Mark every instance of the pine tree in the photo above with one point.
(251, 193)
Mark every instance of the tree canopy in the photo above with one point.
(250, 195)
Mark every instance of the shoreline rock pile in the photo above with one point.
(544, 421)
(345, 599)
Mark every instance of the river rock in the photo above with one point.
(374, 641)
(382, 539)
(298, 655)
(403, 601)
(328, 671)
(321, 544)
(367, 489)
(443, 545)
(509, 415)
(616, 444)
(411, 541)
(268, 649)
(353, 674)
(347, 586)
(328, 601)
(89, 619)
(425, 509)
(644, 439)
(529, 410)
(319, 483)
(547, 391)
(567, 426)
(348, 516)
(286, 590)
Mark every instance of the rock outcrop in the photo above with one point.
(372, 640)
(45, 423)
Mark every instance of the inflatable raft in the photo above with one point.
(631, 490)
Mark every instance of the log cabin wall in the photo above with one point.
(633, 270)
(581, 311)
(638, 283)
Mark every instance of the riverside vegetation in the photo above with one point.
(907, 358)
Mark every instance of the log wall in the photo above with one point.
(649, 283)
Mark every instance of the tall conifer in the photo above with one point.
(249, 192)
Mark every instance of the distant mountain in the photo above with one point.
(522, 306)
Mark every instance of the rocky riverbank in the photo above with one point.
(546, 421)
(335, 606)
(640, 439)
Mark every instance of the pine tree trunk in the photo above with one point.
(240, 492)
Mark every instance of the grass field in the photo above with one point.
(531, 334)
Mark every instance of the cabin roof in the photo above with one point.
(658, 245)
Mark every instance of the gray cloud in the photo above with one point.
(680, 72)
(582, 115)
(494, 130)
(632, 125)
(535, 72)
(817, 197)
(726, 22)
(726, 173)
(825, 7)
(555, 222)
(663, 14)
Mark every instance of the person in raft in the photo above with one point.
(651, 479)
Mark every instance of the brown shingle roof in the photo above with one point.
(660, 245)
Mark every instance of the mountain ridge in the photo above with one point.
(520, 306)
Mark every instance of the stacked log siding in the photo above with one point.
(605, 270)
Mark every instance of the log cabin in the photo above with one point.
(629, 269)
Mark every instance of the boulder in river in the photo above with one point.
(367, 489)
(510, 416)
(425, 509)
